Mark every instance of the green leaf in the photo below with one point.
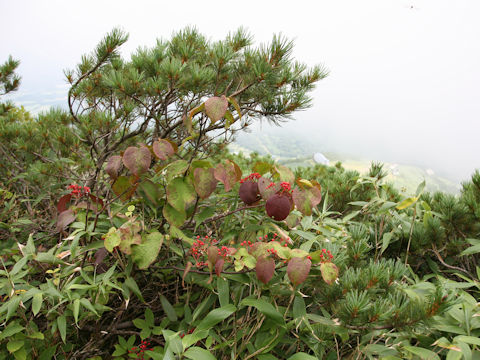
(204, 214)
(174, 217)
(124, 186)
(302, 356)
(468, 339)
(62, 327)
(48, 353)
(265, 308)
(386, 241)
(12, 306)
(204, 182)
(132, 285)
(420, 189)
(37, 303)
(223, 291)
(180, 193)
(88, 305)
(234, 102)
(76, 309)
(329, 272)
(284, 173)
(168, 308)
(112, 239)
(215, 316)
(20, 354)
(175, 169)
(145, 253)
(196, 353)
(14, 345)
(12, 329)
(424, 354)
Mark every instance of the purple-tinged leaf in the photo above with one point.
(215, 108)
(265, 268)
(298, 270)
(163, 149)
(204, 182)
(64, 219)
(137, 159)
(114, 165)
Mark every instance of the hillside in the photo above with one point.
(294, 150)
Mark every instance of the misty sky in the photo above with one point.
(404, 81)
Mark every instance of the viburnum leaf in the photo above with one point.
(215, 108)
(163, 149)
(284, 173)
(137, 159)
(306, 199)
(265, 268)
(205, 182)
(124, 186)
(145, 253)
(64, 219)
(114, 164)
(212, 254)
(234, 102)
(329, 272)
(111, 239)
(63, 203)
(129, 235)
(180, 193)
(266, 191)
(298, 270)
(173, 216)
(226, 174)
(219, 266)
(261, 167)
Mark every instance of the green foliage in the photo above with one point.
(163, 251)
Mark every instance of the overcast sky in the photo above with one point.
(404, 82)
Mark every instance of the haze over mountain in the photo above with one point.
(404, 78)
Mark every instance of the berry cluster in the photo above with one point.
(251, 177)
(245, 243)
(140, 350)
(199, 249)
(328, 255)
(286, 187)
(272, 251)
(224, 251)
(78, 190)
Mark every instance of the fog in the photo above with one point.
(404, 81)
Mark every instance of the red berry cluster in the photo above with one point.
(328, 255)
(271, 185)
(78, 190)
(140, 349)
(251, 177)
(286, 187)
(272, 251)
(224, 251)
(245, 243)
(199, 249)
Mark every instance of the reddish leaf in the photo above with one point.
(219, 266)
(114, 166)
(238, 171)
(266, 191)
(163, 149)
(64, 219)
(265, 268)
(226, 174)
(96, 200)
(63, 203)
(298, 270)
(188, 267)
(329, 272)
(278, 207)
(100, 255)
(215, 107)
(205, 182)
(212, 254)
(137, 160)
(248, 192)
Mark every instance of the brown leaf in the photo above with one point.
(137, 159)
(63, 203)
(163, 149)
(265, 268)
(185, 272)
(114, 166)
(215, 108)
(64, 219)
